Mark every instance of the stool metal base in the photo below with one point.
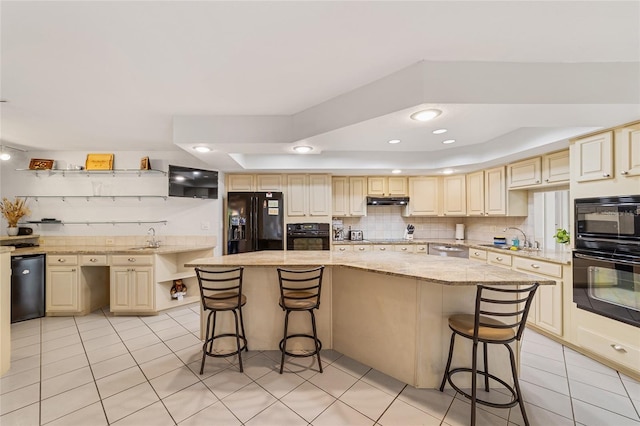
(513, 403)
(314, 337)
(237, 336)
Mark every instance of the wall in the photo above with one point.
(185, 217)
(386, 222)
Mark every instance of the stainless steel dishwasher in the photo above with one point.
(447, 250)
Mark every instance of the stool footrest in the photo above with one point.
(299, 355)
(224, 355)
(510, 388)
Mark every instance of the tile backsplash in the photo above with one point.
(127, 241)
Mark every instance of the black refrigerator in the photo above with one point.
(255, 221)
(27, 287)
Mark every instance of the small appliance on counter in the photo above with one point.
(338, 230)
(459, 231)
(408, 233)
(356, 235)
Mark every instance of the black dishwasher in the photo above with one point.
(27, 287)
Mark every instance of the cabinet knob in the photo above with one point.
(361, 248)
(537, 181)
(534, 266)
(421, 248)
(131, 259)
(404, 249)
(383, 248)
(606, 175)
(546, 180)
(499, 259)
(475, 253)
(62, 260)
(618, 348)
(341, 249)
(624, 172)
(73, 270)
(93, 259)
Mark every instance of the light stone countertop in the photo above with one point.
(563, 258)
(434, 269)
(86, 249)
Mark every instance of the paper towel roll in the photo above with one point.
(460, 231)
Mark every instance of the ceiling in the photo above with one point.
(253, 79)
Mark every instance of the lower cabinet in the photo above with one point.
(62, 285)
(132, 285)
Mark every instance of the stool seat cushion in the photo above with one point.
(302, 300)
(464, 324)
(226, 300)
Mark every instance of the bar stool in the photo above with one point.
(300, 291)
(481, 328)
(220, 291)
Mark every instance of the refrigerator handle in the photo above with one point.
(254, 223)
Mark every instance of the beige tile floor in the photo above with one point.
(99, 369)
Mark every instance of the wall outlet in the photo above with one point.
(109, 242)
(205, 226)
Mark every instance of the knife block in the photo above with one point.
(407, 235)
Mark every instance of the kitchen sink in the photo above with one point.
(497, 246)
(141, 248)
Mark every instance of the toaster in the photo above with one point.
(355, 236)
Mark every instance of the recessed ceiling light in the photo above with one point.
(426, 115)
(394, 141)
(447, 171)
(302, 149)
(448, 141)
(439, 131)
(202, 149)
(5, 156)
(396, 171)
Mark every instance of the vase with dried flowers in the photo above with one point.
(13, 212)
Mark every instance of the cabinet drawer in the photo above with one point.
(403, 248)
(383, 248)
(131, 260)
(538, 267)
(617, 351)
(359, 248)
(93, 259)
(421, 249)
(477, 254)
(499, 259)
(55, 259)
(343, 248)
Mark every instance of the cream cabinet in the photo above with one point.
(348, 196)
(424, 196)
(132, 285)
(386, 186)
(63, 294)
(343, 248)
(421, 248)
(477, 254)
(594, 157)
(546, 309)
(555, 168)
(454, 195)
(627, 144)
(404, 248)
(308, 195)
(251, 183)
(525, 173)
(499, 259)
(487, 195)
(383, 247)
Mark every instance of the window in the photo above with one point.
(554, 208)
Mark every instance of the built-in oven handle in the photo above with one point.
(604, 259)
(608, 240)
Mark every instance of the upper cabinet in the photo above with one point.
(475, 193)
(595, 157)
(251, 183)
(454, 195)
(308, 195)
(495, 192)
(349, 196)
(487, 195)
(548, 170)
(628, 151)
(424, 196)
(382, 186)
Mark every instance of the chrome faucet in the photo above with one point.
(153, 243)
(525, 243)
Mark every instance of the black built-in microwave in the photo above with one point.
(608, 223)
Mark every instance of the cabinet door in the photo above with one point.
(424, 196)
(455, 201)
(269, 183)
(549, 307)
(397, 186)
(240, 183)
(120, 299)
(296, 195)
(319, 195)
(377, 185)
(475, 194)
(525, 173)
(495, 192)
(555, 167)
(63, 291)
(628, 151)
(142, 294)
(340, 196)
(595, 157)
(357, 196)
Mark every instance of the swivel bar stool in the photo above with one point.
(300, 291)
(479, 327)
(221, 290)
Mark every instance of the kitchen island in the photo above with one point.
(386, 310)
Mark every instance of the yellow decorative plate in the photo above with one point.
(99, 162)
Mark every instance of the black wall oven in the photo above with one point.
(606, 261)
(308, 236)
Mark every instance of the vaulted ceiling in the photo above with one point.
(251, 80)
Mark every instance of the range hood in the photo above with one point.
(387, 201)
